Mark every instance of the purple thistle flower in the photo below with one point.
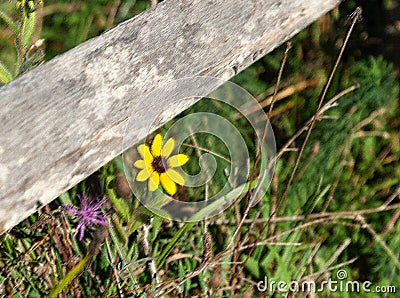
(88, 215)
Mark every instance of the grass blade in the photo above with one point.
(8, 21)
(28, 29)
(69, 277)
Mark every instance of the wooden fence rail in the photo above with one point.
(63, 120)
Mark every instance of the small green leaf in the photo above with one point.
(252, 265)
(5, 74)
(119, 231)
(28, 29)
(120, 205)
(156, 228)
(182, 275)
(8, 21)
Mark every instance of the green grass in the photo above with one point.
(341, 210)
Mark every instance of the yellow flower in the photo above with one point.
(157, 165)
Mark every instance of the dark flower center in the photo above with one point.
(158, 164)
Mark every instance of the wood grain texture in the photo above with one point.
(65, 119)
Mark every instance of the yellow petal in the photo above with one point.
(156, 145)
(149, 168)
(144, 152)
(168, 184)
(167, 148)
(154, 181)
(140, 164)
(143, 175)
(177, 160)
(175, 176)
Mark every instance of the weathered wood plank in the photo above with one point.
(66, 118)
